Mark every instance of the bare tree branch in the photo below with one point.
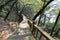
(40, 12)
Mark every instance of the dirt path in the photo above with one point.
(8, 31)
(23, 32)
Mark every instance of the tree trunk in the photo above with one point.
(55, 24)
(44, 19)
(39, 19)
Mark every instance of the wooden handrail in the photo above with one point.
(43, 33)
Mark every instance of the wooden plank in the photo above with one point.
(45, 34)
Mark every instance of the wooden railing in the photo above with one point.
(38, 33)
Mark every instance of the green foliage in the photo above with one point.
(29, 10)
(47, 8)
(58, 24)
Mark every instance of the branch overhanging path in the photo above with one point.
(40, 12)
